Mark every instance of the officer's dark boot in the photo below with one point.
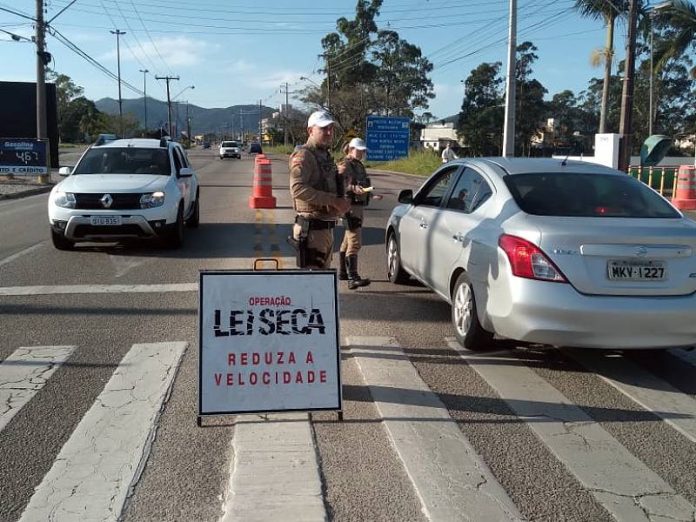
(342, 272)
(354, 280)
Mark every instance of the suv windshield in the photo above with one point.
(126, 160)
(229, 144)
(586, 195)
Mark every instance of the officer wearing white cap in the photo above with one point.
(356, 182)
(317, 194)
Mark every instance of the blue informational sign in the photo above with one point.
(23, 156)
(387, 137)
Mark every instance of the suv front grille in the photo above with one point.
(121, 201)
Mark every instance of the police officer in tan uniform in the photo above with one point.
(356, 182)
(317, 194)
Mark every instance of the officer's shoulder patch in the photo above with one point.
(297, 158)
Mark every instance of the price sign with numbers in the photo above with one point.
(22, 156)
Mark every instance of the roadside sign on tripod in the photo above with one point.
(268, 341)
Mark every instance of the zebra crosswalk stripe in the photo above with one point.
(652, 393)
(620, 482)
(91, 476)
(451, 479)
(24, 373)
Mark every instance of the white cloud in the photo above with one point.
(179, 51)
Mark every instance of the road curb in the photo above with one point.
(26, 193)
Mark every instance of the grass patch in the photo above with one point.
(278, 149)
(420, 162)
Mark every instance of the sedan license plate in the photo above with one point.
(636, 270)
(109, 221)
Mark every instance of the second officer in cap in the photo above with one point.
(357, 187)
(317, 194)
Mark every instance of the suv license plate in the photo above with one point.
(108, 221)
(636, 271)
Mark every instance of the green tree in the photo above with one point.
(681, 35)
(609, 12)
(369, 71)
(480, 121)
(531, 108)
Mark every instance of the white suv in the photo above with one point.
(230, 149)
(130, 188)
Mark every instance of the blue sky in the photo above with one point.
(241, 51)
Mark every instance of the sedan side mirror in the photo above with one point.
(65, 171)
(185, 172)
(406, 196)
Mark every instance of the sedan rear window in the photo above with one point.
(126, 160)
(587, 195)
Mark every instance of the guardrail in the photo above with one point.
(661, 179)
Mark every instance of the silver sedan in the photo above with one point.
(549, 251)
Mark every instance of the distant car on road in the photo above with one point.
(230, 149)
(131, 188)
(105, 138)
(255, 148)
(550, 252)
(206, 144)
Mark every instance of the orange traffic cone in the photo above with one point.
(262, 192)
(684, 197)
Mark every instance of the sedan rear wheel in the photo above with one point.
(470, 334)
(395, 273)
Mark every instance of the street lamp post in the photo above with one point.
(118, 33)
(177, 105)
(145, 71)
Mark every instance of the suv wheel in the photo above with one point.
(175, 235)
(467, 328)
(60, 241)
(195, 218)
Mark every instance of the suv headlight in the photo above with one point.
(156, 199)
(65, 199)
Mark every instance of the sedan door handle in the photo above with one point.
(458, 237)
(423, 225)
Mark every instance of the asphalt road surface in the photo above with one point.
(99, 362)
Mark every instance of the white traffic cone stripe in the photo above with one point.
(652, 393)
(621, 483)
(451, 479)
(24, 373)
(92, 475)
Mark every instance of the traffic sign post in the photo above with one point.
(268, 342)
(387, 137)
(24, 157)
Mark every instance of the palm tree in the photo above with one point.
(609, 12)
(681, 16)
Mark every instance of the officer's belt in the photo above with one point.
(315, 224)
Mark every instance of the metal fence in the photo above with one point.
(661, 179)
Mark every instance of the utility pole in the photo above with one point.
(285, 117)
(41, 55)
(118, 34)
(188, 123)
(260, 128)
(169, 101)
(328, 83)
(510, 85)
(626, 123)
(145, 71)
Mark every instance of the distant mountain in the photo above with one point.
(227, 120)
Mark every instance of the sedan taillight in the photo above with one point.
(527, 260)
